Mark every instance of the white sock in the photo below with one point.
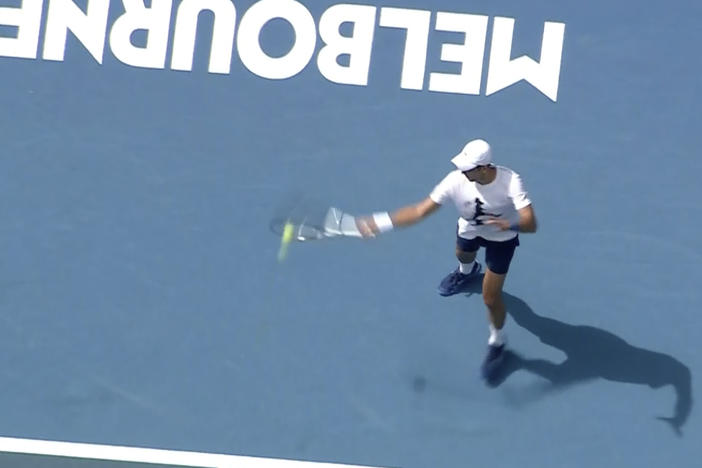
(497, 337)
(466, 268)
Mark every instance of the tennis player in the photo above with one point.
(494, 208)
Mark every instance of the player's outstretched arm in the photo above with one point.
(369, 226)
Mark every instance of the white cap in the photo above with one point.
(475, 153)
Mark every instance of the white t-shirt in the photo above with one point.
(501, 198)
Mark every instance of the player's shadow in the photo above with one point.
(593, 353)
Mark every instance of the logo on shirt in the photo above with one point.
(480, 213)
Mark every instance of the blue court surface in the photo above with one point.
(142, 303)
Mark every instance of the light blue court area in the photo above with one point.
(141, 300)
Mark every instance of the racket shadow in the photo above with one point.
(592, 353)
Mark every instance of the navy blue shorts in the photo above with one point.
(498, 254)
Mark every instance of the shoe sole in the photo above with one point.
(445, 294)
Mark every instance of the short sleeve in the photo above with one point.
(443, 190)
(517, 193)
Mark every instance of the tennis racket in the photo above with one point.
(308, 225)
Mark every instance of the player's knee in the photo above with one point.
(492, 300)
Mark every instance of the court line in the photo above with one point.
(154, 456)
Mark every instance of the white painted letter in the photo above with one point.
(416, 22)
(155, 20)
(89, 28)
(504, 72)
(469, 54)
(358, 47)
(222, 34)
(249, 46)
(27, 18)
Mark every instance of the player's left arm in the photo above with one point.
(527, 220)
(525, 223)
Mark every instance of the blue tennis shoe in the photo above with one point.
(494, 357)
(456, 281)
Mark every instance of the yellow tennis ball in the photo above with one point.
(288, 233)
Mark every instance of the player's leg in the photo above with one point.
(492, 296)
(468, 268)
(498, 256)
(466, 251)
(465, 258)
